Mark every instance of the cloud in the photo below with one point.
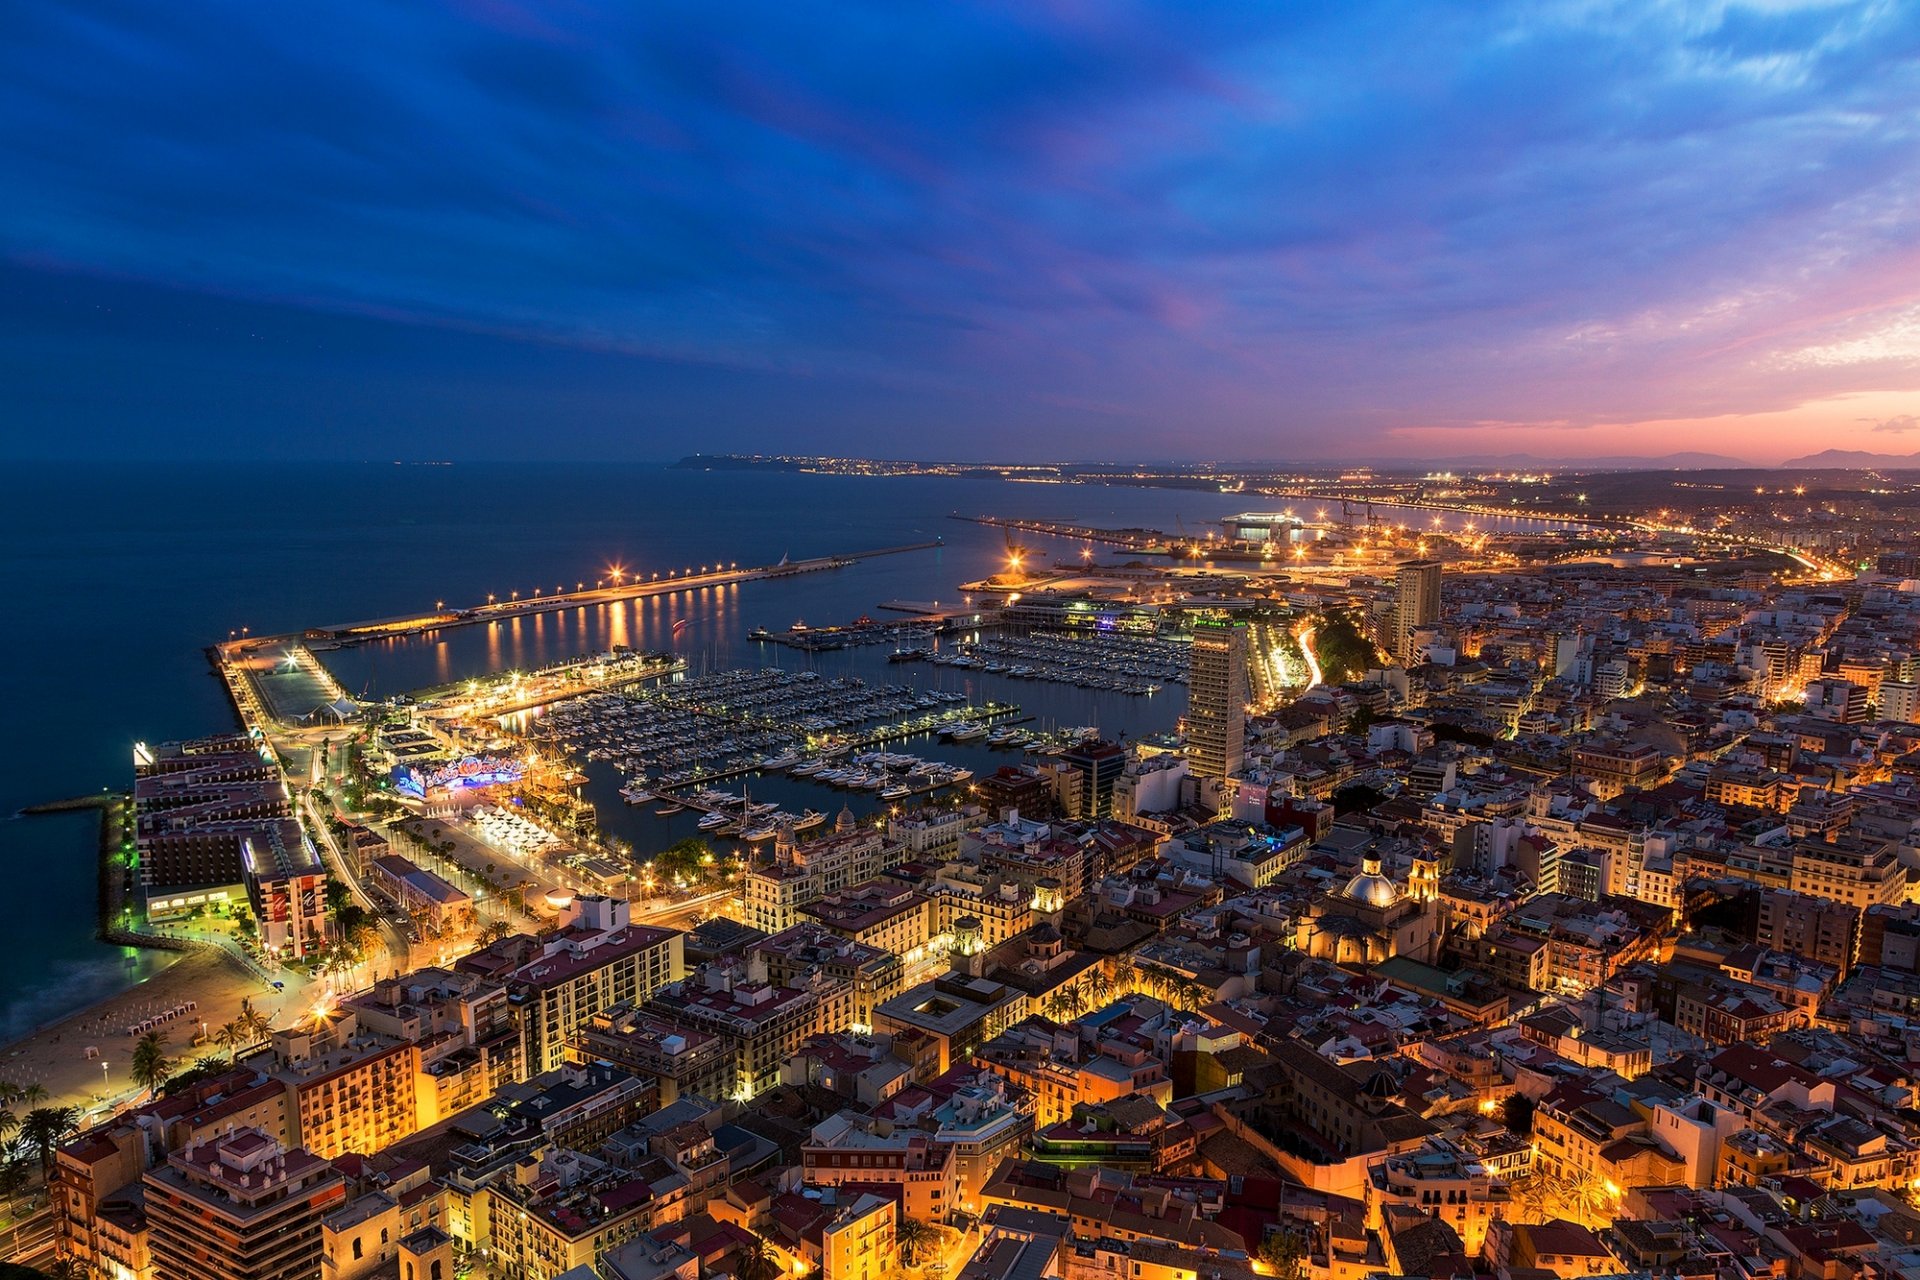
(1898, 425)
(1266, 227)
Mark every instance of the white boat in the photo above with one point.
(808, 768)
(785, 760)
(966, 731)
(959, 775)
(636, 794)
(714, 821)
(756, 834)
(898, 791)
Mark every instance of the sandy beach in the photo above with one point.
(56, 1057)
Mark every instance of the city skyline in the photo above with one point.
(1347, 233)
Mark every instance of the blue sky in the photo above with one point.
(1027, 230)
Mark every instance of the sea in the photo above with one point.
(120, 575)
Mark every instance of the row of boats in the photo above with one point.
(731, 721)
(1116, 664)
(895, 775)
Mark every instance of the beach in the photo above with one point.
(56, 1057)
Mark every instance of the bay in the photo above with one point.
(119, 576)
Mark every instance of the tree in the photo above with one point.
(16, 1173)
(230, 1037)
(1587, 1197)
(1356, 798)
(45, 1128)
(757, 1261)
(151, 1067)
(494, 931)
(339, 897)
(1530, 1195)
(252, 1020)
(1281, 1252)
(915, 1238)
(362, 939)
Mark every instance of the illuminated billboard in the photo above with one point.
(474, 771)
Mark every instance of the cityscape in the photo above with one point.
(961, 644)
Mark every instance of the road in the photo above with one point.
(341, 868)
(1305, 636)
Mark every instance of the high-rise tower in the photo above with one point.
(1217, 699)
(1417, 604)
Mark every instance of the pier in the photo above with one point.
(346, 633)
(1146, 541)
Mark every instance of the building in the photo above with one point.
(461, 1025)
(601, 959)
(960, 1012)
(883, 914)
(804, 871)
(1416, 604)
(286, 887)
(1858, 873)
(193, 805)
(240, 1207)
(1217, 693)
(348, 1089)
(860, 1243)
(765, 1025)
(421, 893)
(1439, 1181)
(850, 1147)
(931, 833)
(1900, 700)
(1091, 768)
(873, 974)
(686, 1061)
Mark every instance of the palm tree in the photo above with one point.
(14, 1170)
(495, 930)
(1100, 986)
(914, 1238)
(757, 1261)
(45, 1128)
(252, 1021)
(230, 1037)
(150, 1064)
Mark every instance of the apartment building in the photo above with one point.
(240, 1207)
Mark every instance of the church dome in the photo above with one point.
(1371, 886)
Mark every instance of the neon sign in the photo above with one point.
(474, 771)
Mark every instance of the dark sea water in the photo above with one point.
(118, 577)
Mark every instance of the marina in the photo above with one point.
(1137, 665)
(676, 733)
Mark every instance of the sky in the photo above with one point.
(1049, 229)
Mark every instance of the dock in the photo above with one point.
(1145, 541)
(341, 634)
(682, 793)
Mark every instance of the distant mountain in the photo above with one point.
(1666, 462)
(1853, 460)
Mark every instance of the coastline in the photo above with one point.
(51, 1053)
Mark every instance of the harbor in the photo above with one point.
(723, 724)
(1135, 665)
